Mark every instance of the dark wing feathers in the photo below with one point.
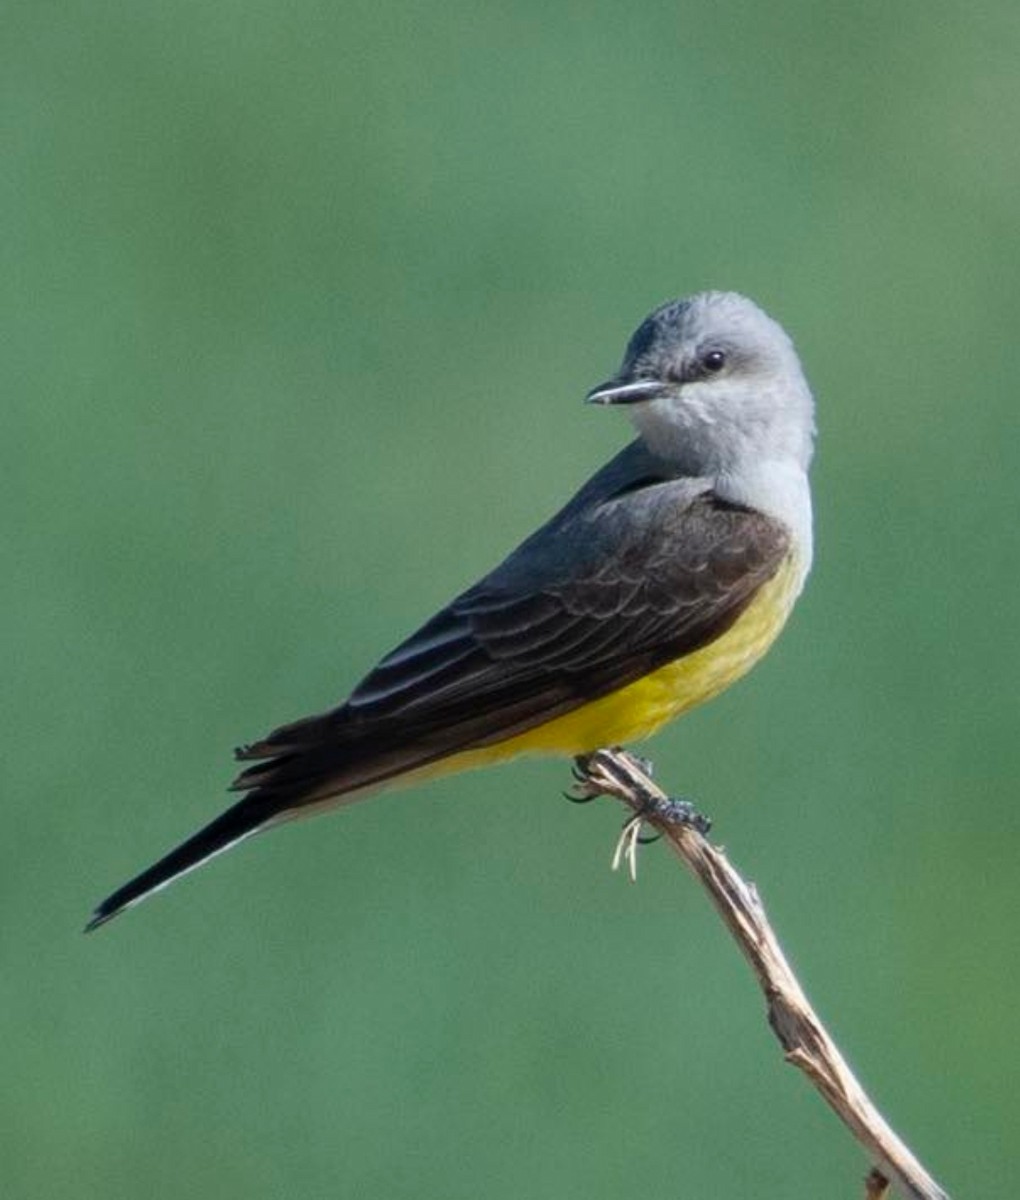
(604, 596)
(637, 570)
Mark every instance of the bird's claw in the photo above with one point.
(582, 789)
(654, 807)
(669, 811)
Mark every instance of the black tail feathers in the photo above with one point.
(243, 819)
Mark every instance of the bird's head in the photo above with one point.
(715, 385)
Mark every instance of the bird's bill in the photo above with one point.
(627, 393)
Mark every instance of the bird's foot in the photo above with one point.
(582, 790)
(667, 811)
(649, 805)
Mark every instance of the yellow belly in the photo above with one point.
(638, 710)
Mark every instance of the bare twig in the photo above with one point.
(802, 1035)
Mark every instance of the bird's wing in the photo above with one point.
(605, 593)
(625, 579)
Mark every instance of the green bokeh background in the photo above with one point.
(300, 300)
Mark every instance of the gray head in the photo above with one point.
(714, 384)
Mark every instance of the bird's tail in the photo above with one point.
(246, 817)
(313, 763)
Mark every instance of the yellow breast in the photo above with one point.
(639, 709)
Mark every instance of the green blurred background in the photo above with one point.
(300, 301)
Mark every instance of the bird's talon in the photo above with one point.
(582, 789)
(669, 811)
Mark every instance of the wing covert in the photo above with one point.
(596, 603)
(608, 591)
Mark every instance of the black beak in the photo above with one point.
(627, 393)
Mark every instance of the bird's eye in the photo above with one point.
(713, 360)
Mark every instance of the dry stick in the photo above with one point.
(802, 1035)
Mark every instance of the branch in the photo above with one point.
(804, 1038)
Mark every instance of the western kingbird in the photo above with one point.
(665, 578)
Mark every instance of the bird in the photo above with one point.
(662, 581)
